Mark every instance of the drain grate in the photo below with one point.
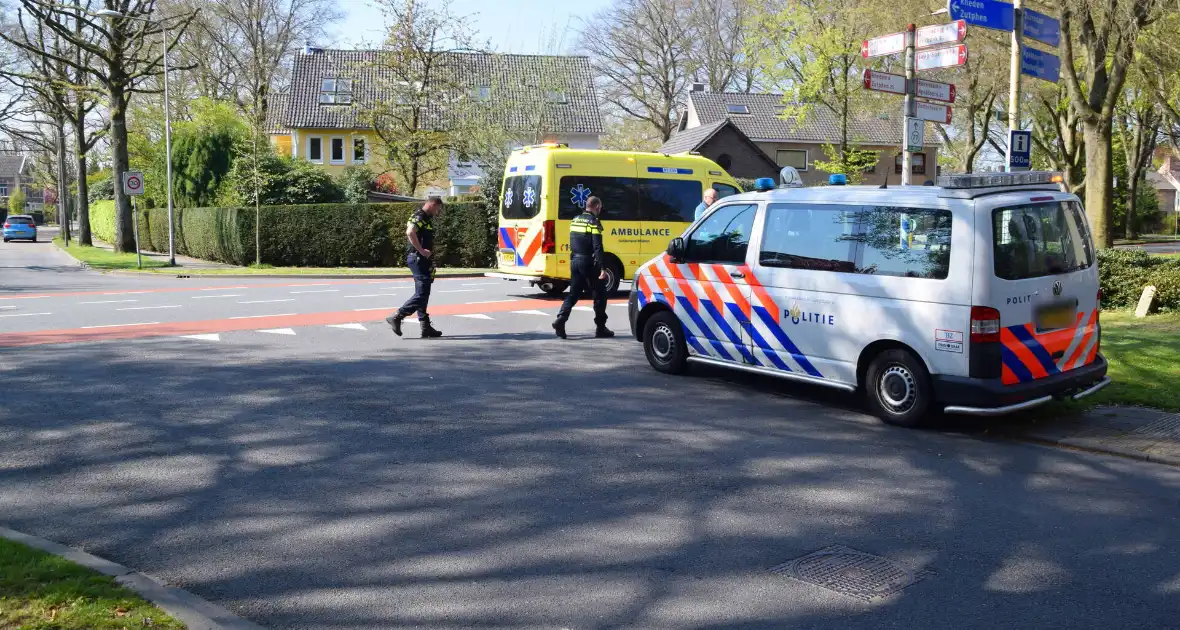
(850, 572)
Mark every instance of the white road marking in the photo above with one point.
(125, 292)
(532, 312)
(25, 314)
(7, 308)
(475, 316)
(224, 288)
(211, 337)
(368, 295)
(146, 308)
(123, 325)
(267, 301)
(210, 297)
(317, 291)
(279, 331)
(318, 284)
(584, 308)
(480, 284)
(257, 316)
(348, 326)
(109, 302)
(622, 305)
(458, 291)
(492, 301)
(25, 297)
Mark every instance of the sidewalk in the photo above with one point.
(1137, 433)
(181, 261)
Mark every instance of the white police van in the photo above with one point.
(978, 295)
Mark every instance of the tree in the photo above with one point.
(718, 32)
(203, 152)
(16, 202)
(1098, 42)
(1137, 124)
(1057, 136)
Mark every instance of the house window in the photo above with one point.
(338, 150)
(793, 158)
(918, 167)
(780, 110)
(335, 91)
(482, 93)
(738, 109)
(3, 189)
(315, 150)
(358, 150)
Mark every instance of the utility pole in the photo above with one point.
(168, 150)
(63, 186)
(1014, 76)
(910, 106)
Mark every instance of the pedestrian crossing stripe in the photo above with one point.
(475, 316)
(348, 326)
(279, 331)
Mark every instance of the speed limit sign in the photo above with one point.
(133, 183)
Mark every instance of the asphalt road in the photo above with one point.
(326, 474)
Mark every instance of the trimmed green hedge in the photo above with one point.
(1123, 274)
(327, 235)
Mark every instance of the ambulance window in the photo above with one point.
(723, 236)
(522, 197)
(905, 242)
(724, 190)
(670, 199)
(1038, 240)
(619, 195)
(810, 236)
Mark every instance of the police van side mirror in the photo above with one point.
(676, 248)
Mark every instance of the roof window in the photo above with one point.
(335, 91)
(737, 108)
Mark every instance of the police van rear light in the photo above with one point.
(549, 238)
(985, 324)
(993, 180)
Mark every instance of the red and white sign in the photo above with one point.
(132, 183)
(928, 36)
(934, 113)
(941, 57)
(881, 46)
(884, 82)
(935, 91)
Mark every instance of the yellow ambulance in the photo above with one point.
(647, 200)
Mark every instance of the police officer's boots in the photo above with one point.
(428, 331)
(602, 332)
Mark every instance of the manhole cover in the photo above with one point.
(850, 572)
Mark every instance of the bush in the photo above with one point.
(744, 183)
(355, 183)
(283, 181)
(16, 202)
(102, 220)
(100, 189)
(1124, 273)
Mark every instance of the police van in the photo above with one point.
(978, 295)
(647, 199)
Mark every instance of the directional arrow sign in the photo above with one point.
(880, 46)
(928, 36)
(1042, 28)
(934, 113)
(884, 82)
(986, 13)
(941, 57)
(935, 91)
(1040, 65)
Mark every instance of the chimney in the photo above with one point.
(697, 86)
(308, 49)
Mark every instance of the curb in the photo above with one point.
(194, 612)
(355, 276)
(1090, 447)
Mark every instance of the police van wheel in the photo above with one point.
(552, 288)
(898, 388)
(664, 344)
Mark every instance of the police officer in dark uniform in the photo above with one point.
(419, 257)
(586, 269)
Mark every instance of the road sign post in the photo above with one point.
(133, 187)
(1014, 74)
(1019, 151)
(907, 156)
(915, 135)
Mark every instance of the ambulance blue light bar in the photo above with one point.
(997, 180)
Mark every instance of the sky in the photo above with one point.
(512, 26)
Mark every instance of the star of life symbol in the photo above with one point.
(579, 195)
(508, 197)
(530, 196)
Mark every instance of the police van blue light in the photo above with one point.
(763, 184)
(837, 179)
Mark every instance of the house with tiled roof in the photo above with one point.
(14, 174)
(753, 135)
(322, 117)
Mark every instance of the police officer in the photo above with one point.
(586, 269)
(419, 257)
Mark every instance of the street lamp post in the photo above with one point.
(167, 126)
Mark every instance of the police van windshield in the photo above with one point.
(521, 197)
(1035, 240)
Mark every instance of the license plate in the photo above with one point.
(508, 258)
(1056, 317)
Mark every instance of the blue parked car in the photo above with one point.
(20, 226)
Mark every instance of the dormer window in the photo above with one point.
(336, 91)
(738, 109)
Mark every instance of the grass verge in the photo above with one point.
(105, 259)
(266, 270)
(39, 590)
(1144, 356)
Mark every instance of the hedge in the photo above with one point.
(327, 235)
(1123, 273)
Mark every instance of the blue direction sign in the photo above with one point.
(1019, 150)
(1042, 28)
(991, 14)
(1039, 64)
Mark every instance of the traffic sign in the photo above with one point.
(1042, 28)
(881, 46)
(915, 135)
(935, 91)
(941, 57)
(1039, 64)
(132, 183)
(928, 36)
(999, 16)
(884, 82)
(1019, 150)
(933, 112)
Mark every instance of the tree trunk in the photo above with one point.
(63, 185)
(1129, 228)
(1099, 180)
(83, 236)
(120, 162)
